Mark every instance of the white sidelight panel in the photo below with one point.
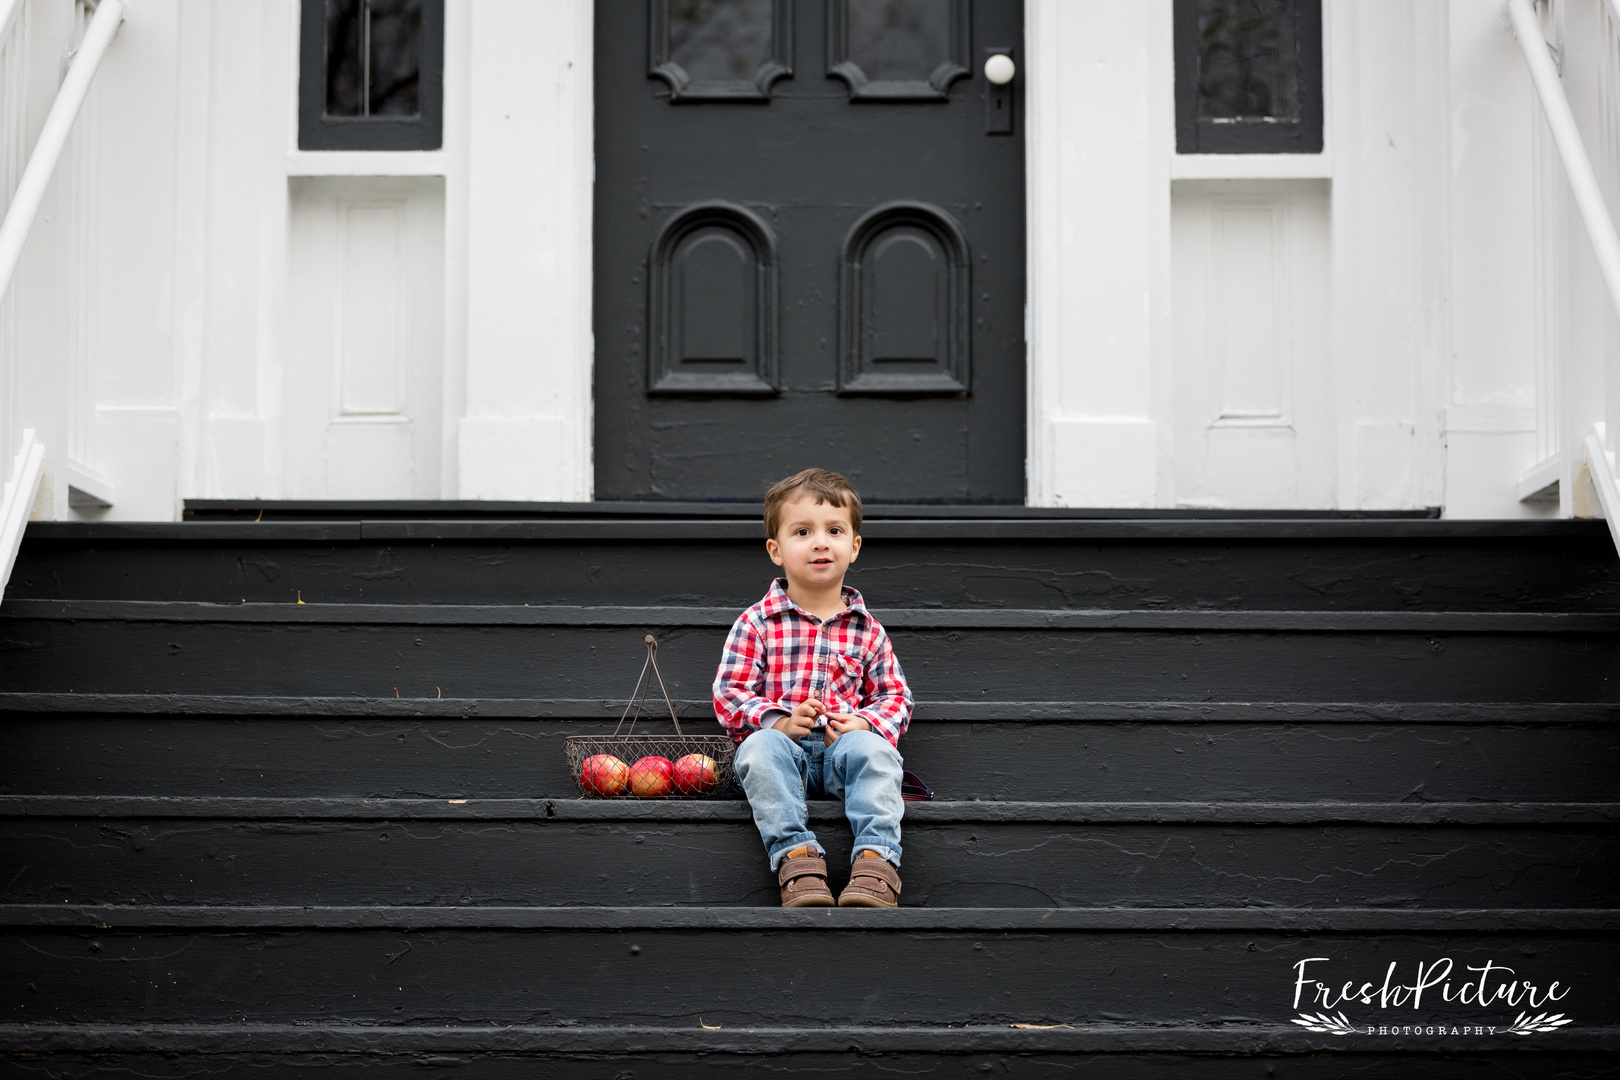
(1099, 138)
(1254, 420)
(363, 400)
(521, 197)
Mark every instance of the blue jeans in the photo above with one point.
(778, 774)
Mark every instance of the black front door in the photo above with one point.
(809, 247)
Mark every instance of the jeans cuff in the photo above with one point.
(889, 853)
(787, 846)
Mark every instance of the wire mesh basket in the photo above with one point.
(632, 766)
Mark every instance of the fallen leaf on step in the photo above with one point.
(1041, 1027)
(708, 1027)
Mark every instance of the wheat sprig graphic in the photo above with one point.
(1324, 1024)
(1525, 1024)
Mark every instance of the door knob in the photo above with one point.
(1000, 69)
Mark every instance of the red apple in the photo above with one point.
(650, 777)
(696, 774)
(604, 774)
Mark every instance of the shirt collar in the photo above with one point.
(778, 601)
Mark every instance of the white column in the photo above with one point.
(138, 95)
(1100, 134)
(1491, 396)
(526, 431)
(1390, 287)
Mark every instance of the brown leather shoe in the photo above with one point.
(804, 880)
(873, 882)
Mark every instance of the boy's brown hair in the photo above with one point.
(827, 487)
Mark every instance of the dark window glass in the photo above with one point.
(371, 74)
(344, 71)
(373, 57)
(1248, 76)
(1248, 59)
(719, 40)
(899, 40)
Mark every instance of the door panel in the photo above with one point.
(1253, 398)
(906, 303)
(823, 267)
(364, 385)
(713, 307)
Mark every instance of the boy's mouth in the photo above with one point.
(820, 562)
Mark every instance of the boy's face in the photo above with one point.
(815, 543)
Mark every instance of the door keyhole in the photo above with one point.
(999, 72)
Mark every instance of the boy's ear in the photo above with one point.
(774, 550)
(855, 548)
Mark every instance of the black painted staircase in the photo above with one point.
(1174, 758)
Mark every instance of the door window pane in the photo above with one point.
(907, 50)
(895, 40)
(714, 40)
(370, 74)
(1248, 76)
(1248, 59)
(373, 57)
(720, 50)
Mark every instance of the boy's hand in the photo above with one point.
(801, 721)
(840, 723)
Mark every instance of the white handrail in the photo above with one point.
(53, 136)
(28, 467)
(17, 501)
(1583, 183)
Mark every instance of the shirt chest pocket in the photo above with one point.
(846, 673)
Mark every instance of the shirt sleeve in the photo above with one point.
(886, 699)
(738, 702)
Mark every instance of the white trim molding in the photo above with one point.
(527, 426)
(365, 163)
(1098, 197)
(1251, 166)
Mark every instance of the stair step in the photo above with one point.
(1140, 752)
(672, 616)
(1029, 1049)
(933, 710)
(858, 921)
(1042, 664)
(962, 855)
(1295, 565)
(572, 811)
(744, 968)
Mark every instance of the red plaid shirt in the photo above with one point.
(779, 654)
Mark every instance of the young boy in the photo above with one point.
(809, 687)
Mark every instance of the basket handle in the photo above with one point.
(644, 687)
